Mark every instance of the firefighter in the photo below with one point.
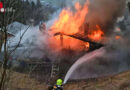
(58, 85)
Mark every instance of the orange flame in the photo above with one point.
(70, 23)
(96, 35)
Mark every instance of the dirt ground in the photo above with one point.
(117, 82)
(121, 81)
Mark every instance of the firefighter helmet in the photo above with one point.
(59, 82)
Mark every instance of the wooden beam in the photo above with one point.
(79, 37)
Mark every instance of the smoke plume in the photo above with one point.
(104, 13)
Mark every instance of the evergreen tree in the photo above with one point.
(33, 5)
(24, 11)
(39, 4)
(27, 3)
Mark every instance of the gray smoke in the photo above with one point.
(104, 13)
(116, 59)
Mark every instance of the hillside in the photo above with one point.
(118, 82)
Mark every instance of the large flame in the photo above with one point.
(70, 23)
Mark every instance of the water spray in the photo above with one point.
(80, 61)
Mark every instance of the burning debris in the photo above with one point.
(71, 30)
(90, 22)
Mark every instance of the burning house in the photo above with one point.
(82, 28)
(72, 37)
(86, 27)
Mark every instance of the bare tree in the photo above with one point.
(6, 18)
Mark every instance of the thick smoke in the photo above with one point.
(104, 13)
(29, 44)
(116, 59)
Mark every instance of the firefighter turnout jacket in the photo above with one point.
(58, 87)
